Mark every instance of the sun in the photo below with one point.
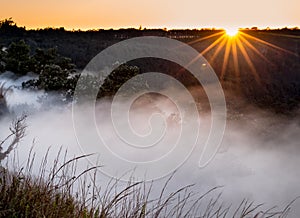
(231, 31)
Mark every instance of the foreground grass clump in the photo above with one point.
(23, 197)
(27, 196)
(58, 190)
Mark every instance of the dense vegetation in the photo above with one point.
(273, 82)
(55, 72)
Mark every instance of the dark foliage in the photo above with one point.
(117, 78)
(17, 58)
(277, 87)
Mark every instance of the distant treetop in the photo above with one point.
(9, 25)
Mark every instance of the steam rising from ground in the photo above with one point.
(259, 157)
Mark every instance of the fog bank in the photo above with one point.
(258, 158)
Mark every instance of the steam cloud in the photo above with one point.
(258, 158)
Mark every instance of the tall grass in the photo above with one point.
(61, 191)
(3, 94)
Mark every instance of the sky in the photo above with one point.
(98, 14)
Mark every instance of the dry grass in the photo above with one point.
(3, 93)
(64, 192)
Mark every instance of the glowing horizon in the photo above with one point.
(86, 28)
(93, 14)
(232, 31)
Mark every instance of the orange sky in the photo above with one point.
(80, 14)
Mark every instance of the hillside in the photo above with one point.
(261, 65)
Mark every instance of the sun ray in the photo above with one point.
(284, 35)
(246, 42)
(204, 38)
(235, 59)
(226, 58)
(199, 40)
(267, 43)
(222, 37)
(218, 50)
(212, 45)
(238, 45)
(248, 60)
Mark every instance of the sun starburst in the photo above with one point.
(232, 31)
(238, 49)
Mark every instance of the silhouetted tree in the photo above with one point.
(8, 26)
(17, 133)
(7, 23)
